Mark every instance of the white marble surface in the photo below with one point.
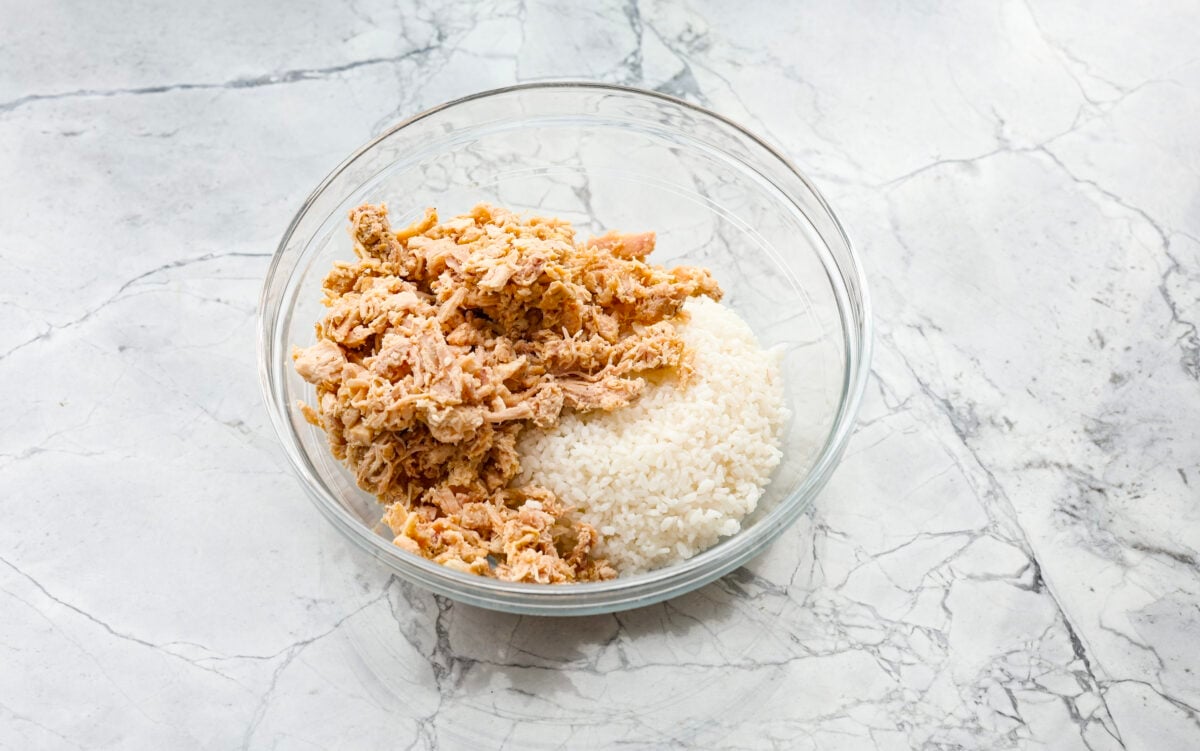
(1007, 557)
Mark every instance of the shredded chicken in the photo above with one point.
(444, 340)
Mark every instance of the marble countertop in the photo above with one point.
(1007, 557)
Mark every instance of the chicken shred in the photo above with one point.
(445, 339)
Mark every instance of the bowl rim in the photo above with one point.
(726, 555)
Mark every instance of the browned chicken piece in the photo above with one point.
(445, 339)
(625, 246)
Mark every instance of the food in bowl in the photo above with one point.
(538, 408)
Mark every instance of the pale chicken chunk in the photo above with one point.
(446, 339)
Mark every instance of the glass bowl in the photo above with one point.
(604, 157)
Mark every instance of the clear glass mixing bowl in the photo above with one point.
(604, 157)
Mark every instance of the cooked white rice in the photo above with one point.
(667, 476)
